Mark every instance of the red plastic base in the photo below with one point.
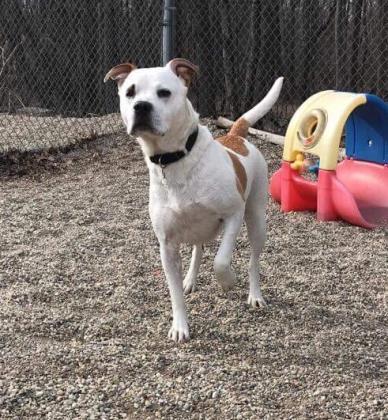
(357, 192)
(292, 191)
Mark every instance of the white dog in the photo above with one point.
(198, 185)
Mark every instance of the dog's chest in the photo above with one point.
(185, 221)
(189, 205)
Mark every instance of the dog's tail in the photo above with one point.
(240, 127)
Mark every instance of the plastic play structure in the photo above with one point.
(356, 189)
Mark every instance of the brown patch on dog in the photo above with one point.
(235, 143)
(184, 69)
(239, 128)
(241, 175)
(119, 72)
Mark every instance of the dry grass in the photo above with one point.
(85, 310)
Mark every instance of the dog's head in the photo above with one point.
(153, 99)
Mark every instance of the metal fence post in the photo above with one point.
(168, 31)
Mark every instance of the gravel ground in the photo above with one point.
(85, 311)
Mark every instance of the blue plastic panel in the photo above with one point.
(367, 131)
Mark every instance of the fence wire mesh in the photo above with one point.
(54, 55)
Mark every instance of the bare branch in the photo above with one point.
(8, 59)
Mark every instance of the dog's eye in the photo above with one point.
(163, 93)
(131, 91)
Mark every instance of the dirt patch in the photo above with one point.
(85, 310)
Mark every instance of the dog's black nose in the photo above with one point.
(143, 107)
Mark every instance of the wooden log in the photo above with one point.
(272, 138)
(264, 135)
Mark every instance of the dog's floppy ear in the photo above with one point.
(184, 69)
(119, 72)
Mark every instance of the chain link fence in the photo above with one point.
(54, 55)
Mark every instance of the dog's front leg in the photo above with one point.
(172, 265)
(224, 274)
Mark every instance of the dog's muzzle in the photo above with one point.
(143, 120)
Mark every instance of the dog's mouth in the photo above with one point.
(141, 128)
(144, 125)
(141, 125)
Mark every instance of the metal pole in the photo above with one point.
(168, 52)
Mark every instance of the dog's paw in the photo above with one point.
(227, 280)
(256, 301)
(179, 332)
(189, 286)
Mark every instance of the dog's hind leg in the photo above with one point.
(224, 274)
(189, 282)
(257, 231)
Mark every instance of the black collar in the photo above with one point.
(165, 159)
